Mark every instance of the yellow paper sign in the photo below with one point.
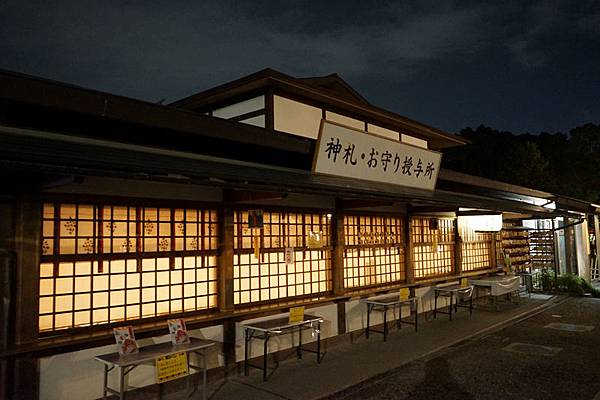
(171, 367)
(296, 314)
(464, 282)
(404, 293)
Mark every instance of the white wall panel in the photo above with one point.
(388, 133)
(259, 121)
(243, 107)
(413, 140)
(296, 118)
(347, 121)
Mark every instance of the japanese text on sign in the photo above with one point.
(171, 367)
(355, 154)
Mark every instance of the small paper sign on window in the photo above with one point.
(296, 314)
(289, 256)
(171, 367)
(404, 293)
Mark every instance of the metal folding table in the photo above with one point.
(127, 363)
(265, 329)
(383, 303)
(453, 292)
(498, 285)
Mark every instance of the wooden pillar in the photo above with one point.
(226, 298)
(226, 258)
(408, 250)
(493, 250)
(337, 267)
(28, 224)
(596, 251)
(457, 248)
(6, 271)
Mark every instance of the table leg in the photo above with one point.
(318, 342)
(385, 327)
(204, 374)
(105, 381)
(265, 347)
(435, 296)
(246, 349)
(450, 310)
(122, 383)
(299, 349)
(471, 305)
(416, 315)
(400, 316)
(369, 306)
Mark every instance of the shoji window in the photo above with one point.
(433, 246)
(374, 250)
(106, 264)
(476, 249)
(268, 277)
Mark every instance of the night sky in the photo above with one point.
(517, 66)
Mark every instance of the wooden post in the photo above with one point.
(226, 295)
(457, 248)
(493, 250)
(28, 225)
(338, 242)
(6, 272)
(409, 251)
(226, 258)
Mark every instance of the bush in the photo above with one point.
(573, 284)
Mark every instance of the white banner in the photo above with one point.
(351, 153)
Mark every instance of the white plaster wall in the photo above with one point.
(413, 140)
(78, 375)
(296, 118)
(243, 107)
(347, 121)
(582, 249)
(259, 121)
(388, 133)
(281, 342)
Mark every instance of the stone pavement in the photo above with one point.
(355, 366)
(551, 355)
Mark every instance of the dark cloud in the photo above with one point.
(447, 63)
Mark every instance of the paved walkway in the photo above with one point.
(553, 355)
(349, 364)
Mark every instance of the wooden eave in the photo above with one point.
(283, 84)
(22, 91)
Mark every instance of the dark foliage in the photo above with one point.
(557, 163)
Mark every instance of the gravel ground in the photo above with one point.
(567, 368)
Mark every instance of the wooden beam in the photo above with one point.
(424, 210)
(238, 196)
(457, 248)
(338, 242)
(408, 250)
(349, 204)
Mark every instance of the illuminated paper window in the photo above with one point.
(268, 277)
(476, 249)
(433, 248)
(374, 250)
(105, 264)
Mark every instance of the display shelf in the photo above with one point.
(541, 246)
(515, 244)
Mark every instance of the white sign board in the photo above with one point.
(351, 153)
